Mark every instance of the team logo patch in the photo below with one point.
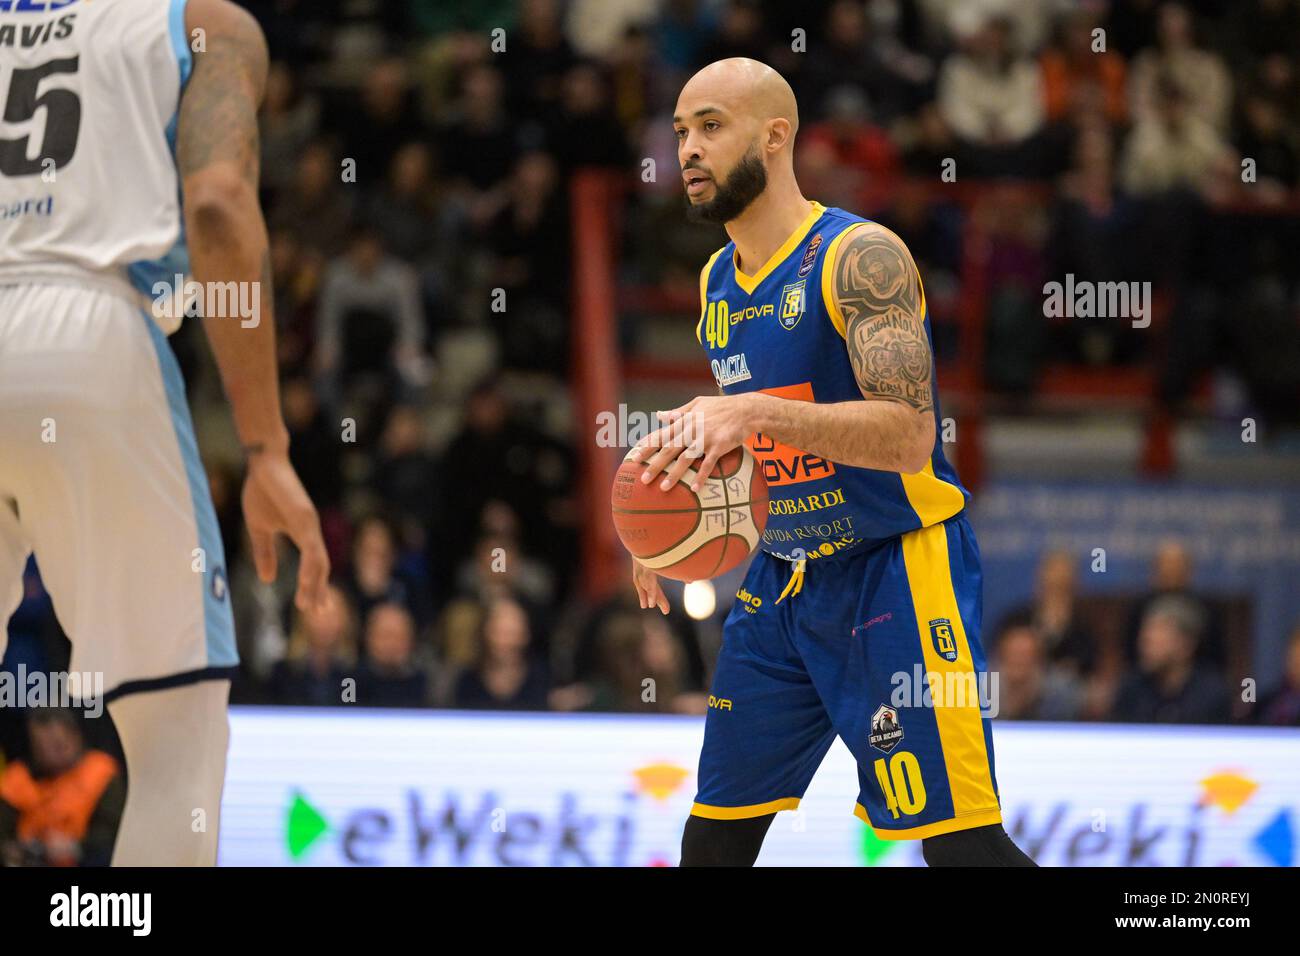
(886, 729)
(945, 645)
(793, 298)
(810, 255)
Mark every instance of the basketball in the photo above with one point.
(689, 536)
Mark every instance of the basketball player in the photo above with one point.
(128, 133)
(815, 322)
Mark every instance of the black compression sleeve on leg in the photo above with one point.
(978, 846)
(723, 842)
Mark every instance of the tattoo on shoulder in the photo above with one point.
(878, 291)
(218, 113)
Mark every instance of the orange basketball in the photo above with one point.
(688, 536)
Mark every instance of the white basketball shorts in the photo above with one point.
(100, 478)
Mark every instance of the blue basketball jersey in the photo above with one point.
(779, 331)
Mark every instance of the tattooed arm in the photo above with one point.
(217, 154)
(877, 290)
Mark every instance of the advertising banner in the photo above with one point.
(402, 788)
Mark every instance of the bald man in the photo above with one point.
(815, 325)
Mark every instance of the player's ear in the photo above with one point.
(777, 133)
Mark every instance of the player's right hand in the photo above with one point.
(275, 502)
(647, 587)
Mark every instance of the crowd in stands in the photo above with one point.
(416, 162)
(450, 511)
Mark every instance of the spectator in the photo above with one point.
(264, 617)
(740, 32)
(1176, 66)
(1077, 79)
(528, 242)
(1265, 137)
(927, 142)
(295, 275)
(852, 57)
(374, 125)
(1281, 707)
(585, 130)
(1278, 78)
(315, 207)
(992, 98)
(1172, 571)
(540, 56)
(860, 148)
(407, 211)
(1170, 687)
(643, 670)
(321, 656)
(500, 456)
(418, 223)
(507, 675)
(477, 142)
(289, 121)
(501, 568)
(1026, 688)
(375, 578)
(406, 476)
(680, 32)
(388, 675)
(1092, 239)
(314, 447)
(1057, 617)
(1172, 148)
(371, 320)
(62, 808)
(633, 77)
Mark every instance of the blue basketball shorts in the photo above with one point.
(880, 647)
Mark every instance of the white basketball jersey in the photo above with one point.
(89, 92)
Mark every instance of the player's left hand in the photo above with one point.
(275, 502)
(702, 430)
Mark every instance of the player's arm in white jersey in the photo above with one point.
(217, 153)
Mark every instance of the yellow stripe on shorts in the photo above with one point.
(952, 685)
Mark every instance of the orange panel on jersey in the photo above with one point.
(785, 464)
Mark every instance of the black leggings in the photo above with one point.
(737, 842)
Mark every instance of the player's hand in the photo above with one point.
(647, 586)
(275, 502)
(702, 430)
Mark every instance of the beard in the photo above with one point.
(732, 196)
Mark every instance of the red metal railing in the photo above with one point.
(596, 370)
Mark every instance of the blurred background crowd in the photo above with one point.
(420, 189)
